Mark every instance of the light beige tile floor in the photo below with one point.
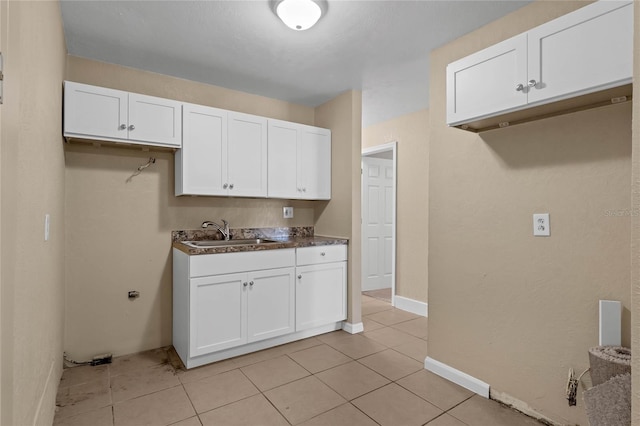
(372, 378)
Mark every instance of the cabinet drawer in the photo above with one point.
(321, 254)
(229, 263)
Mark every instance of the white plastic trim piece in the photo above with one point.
(353, 328)
(413, 306)
(458, 377)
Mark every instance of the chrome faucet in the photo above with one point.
(224, 230)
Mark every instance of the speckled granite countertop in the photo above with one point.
(283, 238)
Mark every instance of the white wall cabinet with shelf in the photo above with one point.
(299, 161)
(223, 153)
(230, 304)
(586, 51)
(98, 113)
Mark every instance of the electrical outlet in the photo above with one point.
(287, 212)
(541, 226)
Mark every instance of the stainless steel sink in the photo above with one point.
(224, 243)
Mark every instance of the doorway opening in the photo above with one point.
(379, 188)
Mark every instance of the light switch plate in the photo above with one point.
(287, 212)
(541, 226)
(47, 223)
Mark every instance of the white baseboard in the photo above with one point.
(457, 377)
(410, 305)
(353, 328)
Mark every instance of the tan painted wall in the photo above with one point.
(341, 216)
(32, 178)
(505, 307)
(411, 133)
(118, 233)
(635, 230)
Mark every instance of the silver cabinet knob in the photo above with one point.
(304, 189)
(123, 126)
(231, 186)
(323, 253)
(225, 186)
(299, 189)
(244, 284)
(532, 83)
(299, 277)
(251, 283)
(520, 87)
(132, 127)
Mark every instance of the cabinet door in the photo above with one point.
(320, 294)
(95, 111)
(247, 155)
(271, 304)
(201, 166)
(282, 160)
(217, 313)
(314, 163)
(585, 51)
(486, 82)
(155, 120)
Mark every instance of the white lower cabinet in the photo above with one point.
(321, 287)
(233, 303)
(231, 310)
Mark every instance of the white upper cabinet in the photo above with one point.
(487, 81)
(201, 166)
(299, 161)
(586, 51)
(247, 155)
(283, 159)
(314, 163)
(98, 113)
(223, 153)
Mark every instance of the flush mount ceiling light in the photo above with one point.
(299, 15)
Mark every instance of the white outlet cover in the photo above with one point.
(541, 225)
(287, 212)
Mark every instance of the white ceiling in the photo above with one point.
(379, 47)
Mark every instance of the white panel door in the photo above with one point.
(486, 82)
(155, 120)
(587, 50)
(95, 111)
(321, 294)
(377, 223)
(271, 303)
(314, 163)
(217, 313)
(282, 160)
(201, 163)
(247, 155)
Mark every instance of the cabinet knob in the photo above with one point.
(299, 277)
(532, 83)
(323, 253)
(132, 127)
(251, 283)
(304, 189)
(244, 284)
(225, 186)
(123, 126)
(520, 87)
(231, 186)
